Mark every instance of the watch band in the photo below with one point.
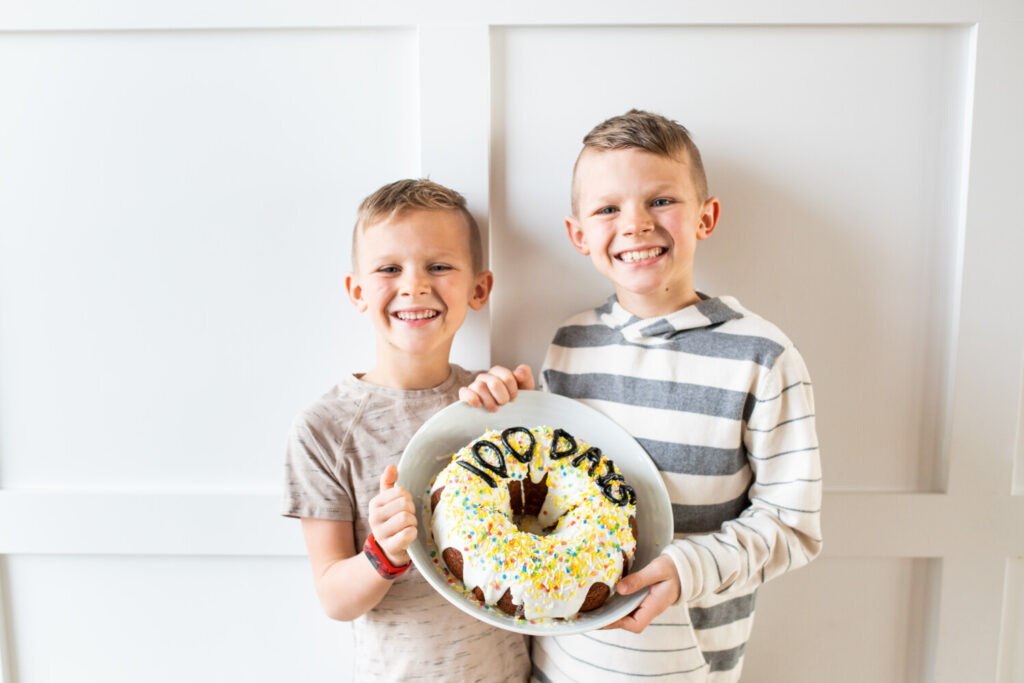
(380, 561)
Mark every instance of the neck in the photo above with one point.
(653, 306)
(409, 372)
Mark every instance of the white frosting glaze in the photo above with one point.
(548, 575)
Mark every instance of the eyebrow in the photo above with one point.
(663, 188)
(446, 255)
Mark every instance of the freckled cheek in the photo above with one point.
(379, 299)
(382, 292)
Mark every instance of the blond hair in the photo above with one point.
(421, 194)
(652, 133)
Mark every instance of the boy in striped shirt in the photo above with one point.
(719, 397)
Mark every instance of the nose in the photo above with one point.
(414, 283)
(636, 220)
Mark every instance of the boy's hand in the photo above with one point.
(496, 387)
(393, 518)
(663, 579)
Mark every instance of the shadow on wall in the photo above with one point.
(870, 318)
(864, 288)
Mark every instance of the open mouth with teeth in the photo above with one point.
(424, 314)
(637, 255)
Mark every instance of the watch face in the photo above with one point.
(380, 561)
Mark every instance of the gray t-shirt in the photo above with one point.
(337, 450)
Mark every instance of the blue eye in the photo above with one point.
(389, 270)
(608, 210)
(661, 202)
(440, 267)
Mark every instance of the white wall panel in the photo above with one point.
(837, 153)
(854, 619)
(171, 620)
(1018, 448)
(130, 14)
(175, 215)
(1011, 659)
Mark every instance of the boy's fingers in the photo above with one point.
(467, 395)
(496, 387)
(614, 624)
(404, 538)
(524, 377)
(397, 545)
(660, 569)
(482, 392)
(637, 620)
(395, 525)
(500, 391)
(634, 582)
(388, 478)
(664, 582)
(389, 506)
(507, 381)
(485, 389)
(630, 622)
(388, 497)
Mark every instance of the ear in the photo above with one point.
(708, 218)
(576, 235)
(355, 292)
(481, 290)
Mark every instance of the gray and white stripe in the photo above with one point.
(722, 402)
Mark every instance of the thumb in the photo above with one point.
(631, 583)
(388, 478)
(626, 586)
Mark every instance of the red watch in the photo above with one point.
(380, 561)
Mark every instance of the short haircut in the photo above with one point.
(652, 133)
(420, 194)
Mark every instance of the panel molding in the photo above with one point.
(63, 15)
(454, 84)
(974, 529)
(7, 648)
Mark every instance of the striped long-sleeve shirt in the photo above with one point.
(722, 402)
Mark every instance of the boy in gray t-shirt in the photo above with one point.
(417, 268)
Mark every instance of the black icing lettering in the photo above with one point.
(592, 455)
(500, 469)
(560, 435)
(609, 467)
(605, 480)
(626, 494)
(525, 457)
(478, 472)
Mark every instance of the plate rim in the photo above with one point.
(424, 564)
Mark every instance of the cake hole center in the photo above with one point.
(531, 525)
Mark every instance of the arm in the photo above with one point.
(779, 531)
(781, 528)
(346, 583)
(496, 387)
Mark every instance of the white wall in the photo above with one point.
(177, 186)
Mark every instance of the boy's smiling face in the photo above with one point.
(639, 217)
(416, 280)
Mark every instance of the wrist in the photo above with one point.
(380, 561)
(684, 572)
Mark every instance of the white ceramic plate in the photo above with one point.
(452, 428)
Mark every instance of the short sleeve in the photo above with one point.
(314, 486)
